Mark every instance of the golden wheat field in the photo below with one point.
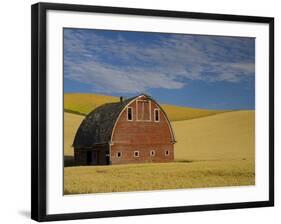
(71, 124)
(155, 176)
(227, 136)
(211, 151)
(81, 103)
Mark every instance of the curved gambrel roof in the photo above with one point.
(98, 125)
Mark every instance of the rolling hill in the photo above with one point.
(71, 124)
(213, 149)
(79, 103)
(227, 136)
(223, 136)
(210, 151)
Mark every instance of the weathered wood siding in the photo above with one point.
(94, 156)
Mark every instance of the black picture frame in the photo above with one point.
(39, 121)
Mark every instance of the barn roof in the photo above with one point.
(97, 126)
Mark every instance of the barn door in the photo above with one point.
(92, 158)
(95, 157)
(89, 158)
(143, 110)
(107, 158)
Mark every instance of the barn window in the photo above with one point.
(156, 115)
(136, 153)
(129, 113)
(119, 154)
(166, 152)
(152, 153)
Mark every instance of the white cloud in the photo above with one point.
(120, 65)
(108, 78)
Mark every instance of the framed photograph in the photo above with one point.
(139, 111)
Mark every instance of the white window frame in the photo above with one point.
(156, 109)
(152, 154)
(166, 153)
(138, 152)
(132, 113)
(121, 154)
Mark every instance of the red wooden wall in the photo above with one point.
(142, 134)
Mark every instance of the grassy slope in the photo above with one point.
(214, 151)
(220, 137)
(84, 103)
(71, 124)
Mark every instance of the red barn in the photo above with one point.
(135, 130)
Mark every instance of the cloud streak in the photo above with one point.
(123, 62)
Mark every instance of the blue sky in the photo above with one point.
(213, 72)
